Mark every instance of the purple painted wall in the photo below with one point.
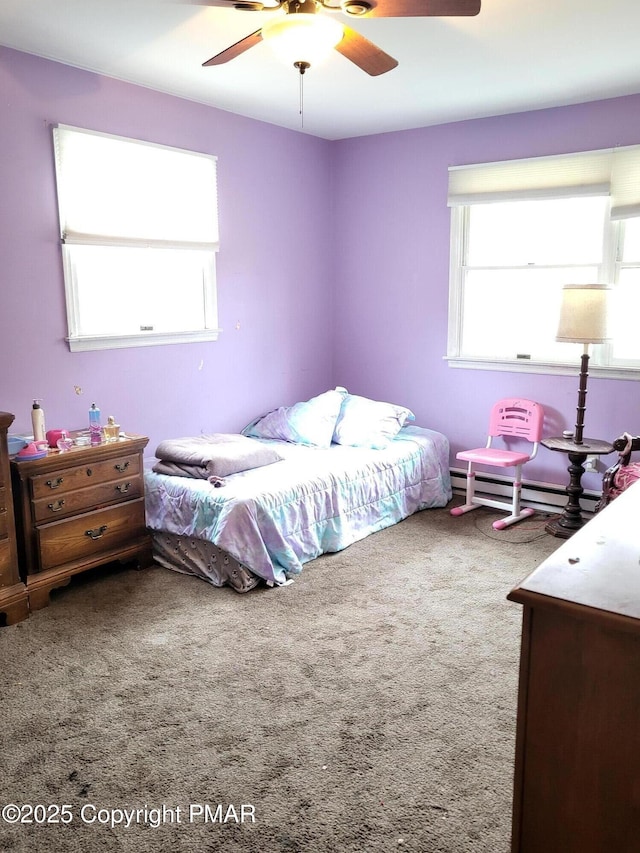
(392, 233)
(273, 266)
(334, 263)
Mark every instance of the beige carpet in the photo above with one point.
(369, 706)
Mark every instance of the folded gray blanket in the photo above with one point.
(212, 457)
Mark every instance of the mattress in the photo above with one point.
(272, 520)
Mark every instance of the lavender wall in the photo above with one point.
(334, 263)
(392, 233)
(273, 267)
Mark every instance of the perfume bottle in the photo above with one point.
(111, 430)
(95, 428)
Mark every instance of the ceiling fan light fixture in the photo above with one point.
(302, 38)
(356, 7)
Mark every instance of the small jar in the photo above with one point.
(65, 442)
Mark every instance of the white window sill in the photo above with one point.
(525, 366)
(84, 343)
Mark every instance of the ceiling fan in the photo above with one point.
(297, 22)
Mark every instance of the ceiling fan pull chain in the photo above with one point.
(302, 67)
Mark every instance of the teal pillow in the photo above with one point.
(311, 422)
(368, 423)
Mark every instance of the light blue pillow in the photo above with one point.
(311, 422)
(368, 423)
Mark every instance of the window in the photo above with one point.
(139, 230)
(523, 229)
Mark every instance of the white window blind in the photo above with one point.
(114, 190)
(614, 172)
(625, 183)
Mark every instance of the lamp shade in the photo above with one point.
(583, 314)
(302, 37)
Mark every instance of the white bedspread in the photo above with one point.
(276, 518)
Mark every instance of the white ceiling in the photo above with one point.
(515, 55)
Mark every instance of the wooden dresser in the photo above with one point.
(79, 509)
(577, 773)
(13, 593)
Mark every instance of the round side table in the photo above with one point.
(565, 525)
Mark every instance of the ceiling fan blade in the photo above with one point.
(364, 53)
(235, 49)
(243, 5)
(412, 8)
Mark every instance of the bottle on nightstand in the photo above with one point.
(37, 421)
(95, 427)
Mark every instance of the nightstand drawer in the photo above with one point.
(90, 534)
(60, 505)
(4, 523)
(79, 476)
(3, 499)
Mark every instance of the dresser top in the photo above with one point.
(79, 455)
(599, 566)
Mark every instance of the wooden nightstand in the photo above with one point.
(13, 593)
(79, 509)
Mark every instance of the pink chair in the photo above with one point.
(510, 418)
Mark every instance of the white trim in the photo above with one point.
(144, 339)
(548, 368)
(71, 238)
(457, 253)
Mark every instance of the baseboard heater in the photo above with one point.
(544, 497)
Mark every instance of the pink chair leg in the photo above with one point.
(512, 519)
(471, 486)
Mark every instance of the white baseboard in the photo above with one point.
(544, 497)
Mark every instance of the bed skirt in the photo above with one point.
(203, 559)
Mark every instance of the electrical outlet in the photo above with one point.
(591, 463)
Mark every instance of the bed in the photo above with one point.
(263, 524)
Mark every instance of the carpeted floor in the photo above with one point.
(368, 707)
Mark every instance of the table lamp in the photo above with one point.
(583, 319)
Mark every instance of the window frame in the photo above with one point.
(79, 341)
(601, 362)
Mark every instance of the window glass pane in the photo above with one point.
(624, 309)
(122, 290)
(512, 312)
(549, 231)
(631, 243)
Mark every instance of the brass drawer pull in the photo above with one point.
(123, 488)
(121, 468)
(53, 484)
(96, 533)
(57, 506)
